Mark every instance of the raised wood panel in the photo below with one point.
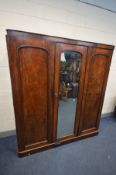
(96, 76)
(33, 65)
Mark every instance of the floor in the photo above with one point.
(91, 156)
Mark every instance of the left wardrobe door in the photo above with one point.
(31, 61)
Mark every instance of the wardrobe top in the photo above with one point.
(55, 39)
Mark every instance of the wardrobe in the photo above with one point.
(58, 87)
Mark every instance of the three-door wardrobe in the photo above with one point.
(58, 87)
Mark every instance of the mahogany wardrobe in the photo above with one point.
(58, 87)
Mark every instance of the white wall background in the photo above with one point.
(64, 18)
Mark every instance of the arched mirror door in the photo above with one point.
(69, 72)
(70, 63)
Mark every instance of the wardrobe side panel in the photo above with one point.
(31, 63)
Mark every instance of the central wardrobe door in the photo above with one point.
(70, 62)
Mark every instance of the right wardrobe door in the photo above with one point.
(98, 63)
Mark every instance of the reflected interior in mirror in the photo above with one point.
(68, 92)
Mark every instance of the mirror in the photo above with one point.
(70, 62)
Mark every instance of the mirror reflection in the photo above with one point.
(68, 92)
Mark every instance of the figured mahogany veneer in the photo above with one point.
(34, 62)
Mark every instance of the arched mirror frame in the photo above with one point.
(61, 48)
(69, 80)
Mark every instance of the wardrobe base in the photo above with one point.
(53, 145)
